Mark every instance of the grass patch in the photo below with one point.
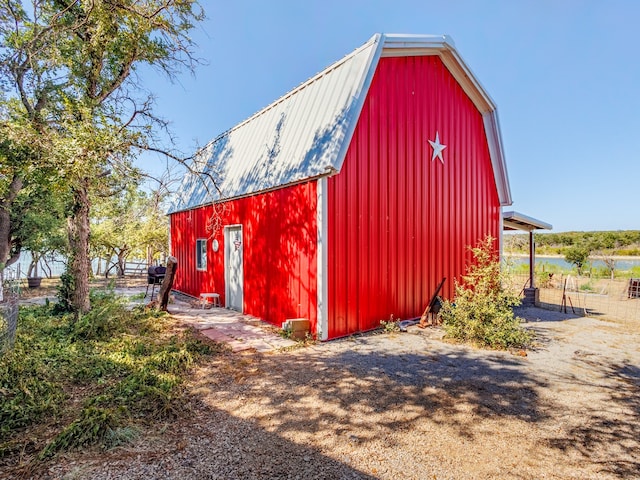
(96, 381)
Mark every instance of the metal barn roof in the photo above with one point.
(306, 133)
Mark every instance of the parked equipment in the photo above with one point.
(429, 317)
(155, 276)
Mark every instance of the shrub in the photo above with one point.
(392, 326)
(600, 272)
(65, 293)
(543, 279)
(587, 287)
(93, 425)
(93, 381)
(482, 311)
(27, 390)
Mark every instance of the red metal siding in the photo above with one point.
(279, 240)
(398, 221)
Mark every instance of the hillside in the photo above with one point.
(621, 242)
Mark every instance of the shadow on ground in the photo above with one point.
(367, 391)
(333, 393)
(214, 445)
(607, 434)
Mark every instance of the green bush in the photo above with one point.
(600, 272)
(482, 311)
(543, 279)
(630, 252)
(91, 427)
(392, 326)
(587, 287)
(65, 293)
(28, 391)
(92, 381)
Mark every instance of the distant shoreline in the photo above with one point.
(597, 257)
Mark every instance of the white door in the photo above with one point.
(233, 267)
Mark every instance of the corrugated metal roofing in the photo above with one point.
(520, 221)
(306, 133)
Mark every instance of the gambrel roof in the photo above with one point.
(306, 133)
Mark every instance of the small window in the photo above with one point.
(201, 254)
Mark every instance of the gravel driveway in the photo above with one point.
(405, 406)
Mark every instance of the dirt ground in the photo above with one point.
(600, 298)
(403, 406)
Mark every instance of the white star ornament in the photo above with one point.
(437, 148)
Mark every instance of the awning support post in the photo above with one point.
(532, 260)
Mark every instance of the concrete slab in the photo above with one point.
(240, 332)
(216, 335)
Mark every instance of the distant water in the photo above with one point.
(58, 266)
(21, 267)
(53, 267)
(621, 265)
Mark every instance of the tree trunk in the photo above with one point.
(78, 230)
(167, 283)
(33, 266)
(98, 267)
(122, 261)
(6, 258)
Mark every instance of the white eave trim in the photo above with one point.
(520, 221)
(496, 153)
(362, 93)
(396, 45)
(322, 252)
(330, 172)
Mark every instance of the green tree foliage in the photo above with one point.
(43, 230)
(482, 311)
(129, 224)
(623, 242)
(66, 69)
(577, 255)
(31, 201)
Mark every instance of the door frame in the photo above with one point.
(227, 250)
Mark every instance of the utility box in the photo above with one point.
(299, 327)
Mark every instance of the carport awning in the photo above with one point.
(519, 221)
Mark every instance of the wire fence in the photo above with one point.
(9, 310)
(614, 299)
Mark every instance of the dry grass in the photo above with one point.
(49, 286)
(404, 406)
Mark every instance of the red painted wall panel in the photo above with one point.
(279, 252)
(398, 221)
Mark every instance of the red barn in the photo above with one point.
(350, 198)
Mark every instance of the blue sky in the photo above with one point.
(564, 74)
